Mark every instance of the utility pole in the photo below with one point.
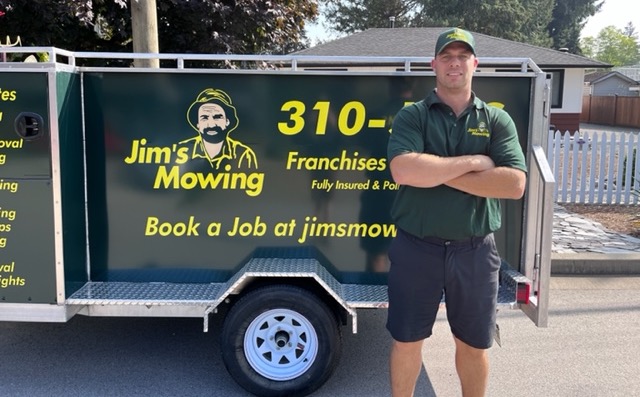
(144, 27)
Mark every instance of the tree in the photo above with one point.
(630, 30)
(589, 47)
(614, 46)
(358, 15)
(70, 24)
(204, 26)
(241, 27)
(569, 17)
(547, 23)
(519, 20)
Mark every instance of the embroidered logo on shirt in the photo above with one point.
(481, 130)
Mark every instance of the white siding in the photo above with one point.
(573, 90)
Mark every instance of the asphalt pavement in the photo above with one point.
(590, 348)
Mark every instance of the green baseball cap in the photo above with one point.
(451, 36)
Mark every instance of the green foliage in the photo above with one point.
(589, 47)
(569, 17)
(525, 21)
(614, 46)
(358, 15)
(66, 24)
(247, 27)
(203, 26)
(518, 20)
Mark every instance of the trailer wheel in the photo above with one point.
(280, 341)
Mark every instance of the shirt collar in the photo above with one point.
(432, 99)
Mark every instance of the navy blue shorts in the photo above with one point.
(423, 270)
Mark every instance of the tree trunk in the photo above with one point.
(144, 26)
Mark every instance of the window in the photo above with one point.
(557, 84)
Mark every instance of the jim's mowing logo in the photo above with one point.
(213, 116)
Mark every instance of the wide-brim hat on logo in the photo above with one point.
(219, 97)
(455, 35)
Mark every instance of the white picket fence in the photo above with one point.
(596, 167)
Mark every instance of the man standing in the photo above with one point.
(213, 115)
(454, 157)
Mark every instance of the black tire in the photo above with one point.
(280, 340)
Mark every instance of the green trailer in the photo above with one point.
(113, 204)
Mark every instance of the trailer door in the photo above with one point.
(537, 239)
(27, 265)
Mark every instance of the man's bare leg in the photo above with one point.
(473, 369)
(405, 363)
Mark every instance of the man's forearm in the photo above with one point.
(499, 182)
(427, 170)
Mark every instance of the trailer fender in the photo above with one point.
(295, 269)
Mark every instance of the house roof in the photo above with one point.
(591, 77)
(421, 42)
(630, 71)
(598, 77)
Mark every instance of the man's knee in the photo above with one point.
(406, 347)
(468, 350)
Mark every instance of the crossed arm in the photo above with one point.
(473, 174)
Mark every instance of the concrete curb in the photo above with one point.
(594, 263)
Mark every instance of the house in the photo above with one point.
(630, 71)
(610, 83)
(567, 69)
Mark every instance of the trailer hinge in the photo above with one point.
(536, 271)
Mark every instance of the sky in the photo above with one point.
(616, 13)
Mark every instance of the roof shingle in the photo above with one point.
(421, 42)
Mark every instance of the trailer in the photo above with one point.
(251, 187)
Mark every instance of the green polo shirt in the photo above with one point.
(430, 126)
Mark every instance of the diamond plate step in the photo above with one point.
(365, 296)
(353, 296)
(148, 294)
